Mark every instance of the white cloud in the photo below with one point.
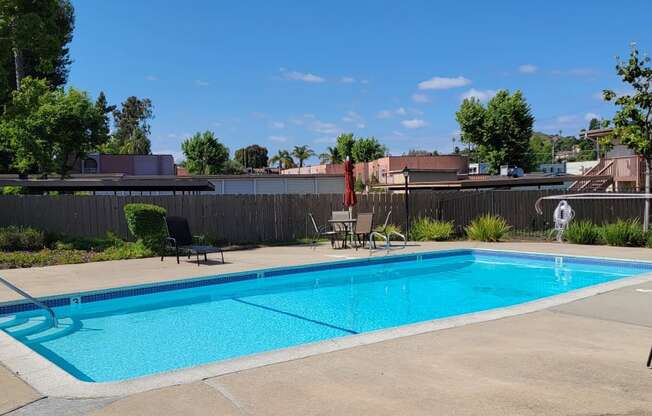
(420, 98)
(322, 127)
(566, 119)
(443, 83)
(201, 83)
(591, 116)
(353, 117)
(347, 80)
(414, 123)
(481, 95)
(401, 111)
(578, 72)
(385, 114)
(329, 139)
(301, 76)
(277, 124)
(364, 81)
(151, 78)
(527, 69)
(280, 139)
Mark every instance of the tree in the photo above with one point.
(132, 128)
(500, 131)
(253, 156)
(595, 124)
(344, 145)
(330, 156)
(302, 153)
(283, 158)
(205, 155)
(33, 42)
(232, 167)
(367, 149)
(51, 129)
(633, 120)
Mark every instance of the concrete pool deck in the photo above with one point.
(585, 357)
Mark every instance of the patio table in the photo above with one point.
(348, 227)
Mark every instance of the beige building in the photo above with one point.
(383, 170)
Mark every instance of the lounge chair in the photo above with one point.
(386, 234)
(181, 239)
(322, 231)
(363, 227)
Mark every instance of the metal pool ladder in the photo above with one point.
(31, 299)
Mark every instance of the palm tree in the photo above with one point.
(331, 155)
(283, 158)
(302, 153)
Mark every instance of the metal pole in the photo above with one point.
(407, 209)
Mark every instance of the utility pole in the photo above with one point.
(554, 141)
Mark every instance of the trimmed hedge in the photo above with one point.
(147, 223)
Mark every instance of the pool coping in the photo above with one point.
(50, 380)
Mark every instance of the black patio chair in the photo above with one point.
(180, 238)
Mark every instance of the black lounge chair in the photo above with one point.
(181, 239)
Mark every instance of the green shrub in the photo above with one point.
(487, 228)
(125, 250)
(582, 232)
(390, 228)
(14, 238)
(97, 244)
(627, 233)
(427, 229)
(45, 257)
(648, 242)
(147, 223)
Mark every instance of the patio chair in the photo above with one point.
(363, 227)
(323, 231)
(341, 229)
(181, 239)
(386, 234)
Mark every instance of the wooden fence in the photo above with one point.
(268, 218)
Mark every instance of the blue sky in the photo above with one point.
(285, 73)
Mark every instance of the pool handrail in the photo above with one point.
(32, 299)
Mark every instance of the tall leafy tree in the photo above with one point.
(51, 129)
(500, 131)
(132, 127)
(33, 42)
(283, 158)
(253, 156)
(330, 156)
(205, 155)
(633, 120)
(301, 153)
(345, 142)
(595, 124)
(367, 149)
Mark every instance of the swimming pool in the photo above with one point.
(131, 332)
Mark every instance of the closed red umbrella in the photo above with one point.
(349, 184)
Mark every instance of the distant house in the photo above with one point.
(553, 168)
(383, 170)
(132, 165)
(480, 168)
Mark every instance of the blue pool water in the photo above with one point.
(144, 333)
